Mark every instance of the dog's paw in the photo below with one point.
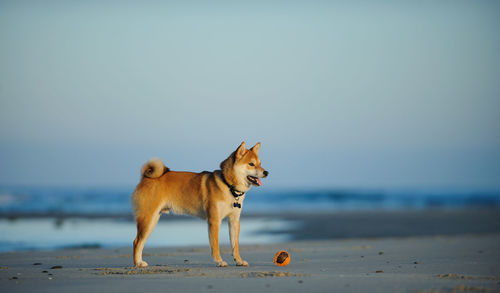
(242, 263)
(141, 264)
(222, 264)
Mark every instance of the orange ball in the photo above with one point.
(282, 258)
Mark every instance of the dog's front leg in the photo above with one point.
(234, 235)
(213, 234)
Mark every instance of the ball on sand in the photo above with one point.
(282, 258)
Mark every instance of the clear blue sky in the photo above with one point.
(360, 94)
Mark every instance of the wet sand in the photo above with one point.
(463, 261)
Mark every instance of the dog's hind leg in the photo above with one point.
(145, 225)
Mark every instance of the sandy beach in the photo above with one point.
(453, 258)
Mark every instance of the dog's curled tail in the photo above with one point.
(154, 168)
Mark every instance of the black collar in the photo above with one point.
(236, 193)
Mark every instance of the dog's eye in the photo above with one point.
(251, 164)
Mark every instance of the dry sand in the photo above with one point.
(463, 262)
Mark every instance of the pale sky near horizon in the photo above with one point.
(342, 94)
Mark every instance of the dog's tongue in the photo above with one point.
(259, 182)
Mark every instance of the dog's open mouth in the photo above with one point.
(254, 180)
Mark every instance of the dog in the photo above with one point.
(209, 195)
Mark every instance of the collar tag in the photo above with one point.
(237, 205)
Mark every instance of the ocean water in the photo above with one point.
(30, 218)
(116, 201)
(54, 233)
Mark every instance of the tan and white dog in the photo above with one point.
(209, 195)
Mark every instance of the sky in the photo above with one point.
(341, 94)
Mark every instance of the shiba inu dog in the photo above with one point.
(209, 195)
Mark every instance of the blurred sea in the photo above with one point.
(116, 201)
(56, 218)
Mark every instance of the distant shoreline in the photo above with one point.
(342, 224)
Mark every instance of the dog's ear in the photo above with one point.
(256, 148)
(240, 152)
(237, 154)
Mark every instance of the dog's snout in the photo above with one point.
(266, 173)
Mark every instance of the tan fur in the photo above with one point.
(204, 195)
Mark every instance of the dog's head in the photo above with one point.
(245, 166)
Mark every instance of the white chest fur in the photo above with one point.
(227, 207)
